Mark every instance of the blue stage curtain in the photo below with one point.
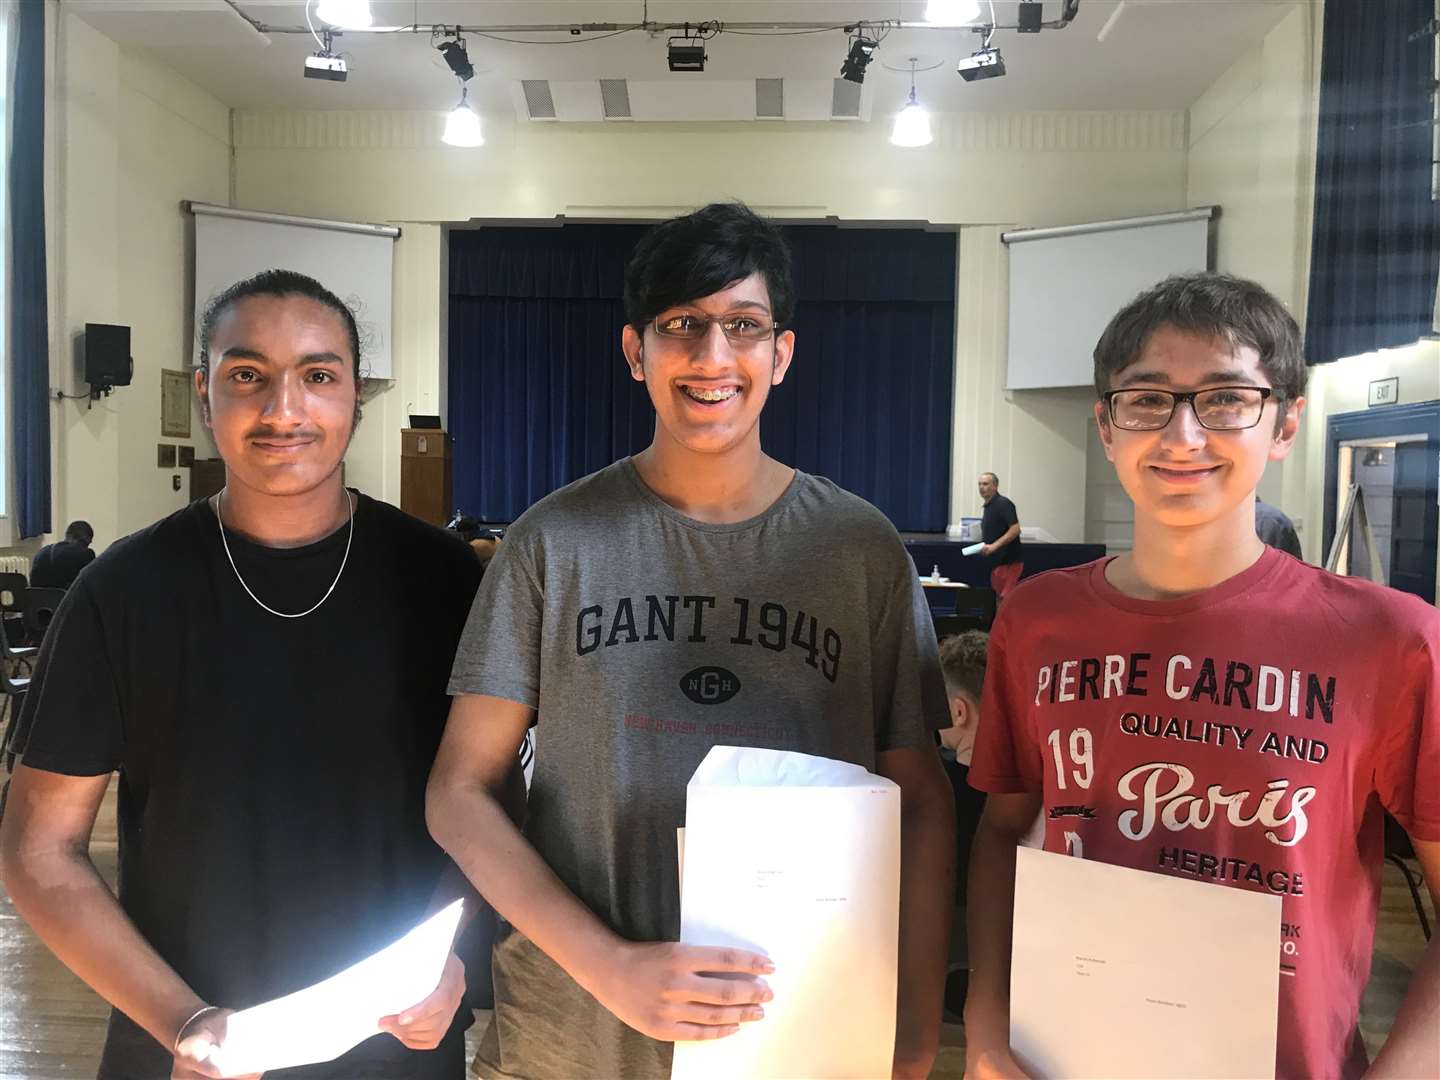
(539, 394)
(1376, 245)
(28, 347)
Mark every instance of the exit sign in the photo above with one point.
(1385, 391)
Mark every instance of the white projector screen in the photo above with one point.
(1064, 289)
(356, 266)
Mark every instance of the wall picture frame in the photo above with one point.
(174, 404)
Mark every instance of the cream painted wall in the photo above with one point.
(1252, 138)
(1251, 153)
(131, 140)
(1033, 440)
(1014, 169)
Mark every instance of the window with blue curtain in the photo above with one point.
(539, 394)
(1375, 254)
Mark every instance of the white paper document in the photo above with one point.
(1126, 973)
(797, 857)
(323, 1021)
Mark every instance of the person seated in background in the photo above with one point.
(962, 659)
(57, 565)
(483, 541)
(1275, 528)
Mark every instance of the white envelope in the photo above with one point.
(1128, 973)
(797, 857)
(323, 1021)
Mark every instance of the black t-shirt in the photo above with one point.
(56, 565)
(272, 770)
(969, 805)
(998, 515)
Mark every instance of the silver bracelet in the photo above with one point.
(175, 1049)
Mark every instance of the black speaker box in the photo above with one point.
(107, 355)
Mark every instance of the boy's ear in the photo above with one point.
(202, 392)
(633, 346)
(1287, 430)
(1102, 422)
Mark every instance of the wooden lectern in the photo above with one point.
(425, 474)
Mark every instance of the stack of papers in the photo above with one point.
(1126, 973)
(797, 857)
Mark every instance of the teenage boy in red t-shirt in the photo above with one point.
(1225, 712)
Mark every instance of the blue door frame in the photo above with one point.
(1388, 420)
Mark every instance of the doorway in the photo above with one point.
(1393, 454)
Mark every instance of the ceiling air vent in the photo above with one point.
(538, 101)
(769, 99)
(845, 100)
(615, 99)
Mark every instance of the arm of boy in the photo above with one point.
(927, 893)
(665, 990)
(991, 893)
(424, 1025)
(46, 867)
(1413, 1048)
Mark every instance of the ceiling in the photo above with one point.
(1159, 54)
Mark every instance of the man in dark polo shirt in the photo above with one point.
(1000, 530)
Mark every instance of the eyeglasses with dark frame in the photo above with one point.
(1217, 408)
(740, 328)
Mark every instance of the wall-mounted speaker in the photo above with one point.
(107, 356)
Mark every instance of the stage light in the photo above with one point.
(458, 59)
(686, 54)
(862, 51)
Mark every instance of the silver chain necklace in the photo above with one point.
(349, 505)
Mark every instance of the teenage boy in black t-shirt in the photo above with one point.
(266, 670)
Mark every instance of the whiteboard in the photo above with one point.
(358, 267)
(1065, 289)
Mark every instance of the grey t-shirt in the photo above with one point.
(643, 638)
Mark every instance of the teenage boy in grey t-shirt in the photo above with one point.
(699, 593)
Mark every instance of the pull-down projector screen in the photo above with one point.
(1066, 283)
(355, 262)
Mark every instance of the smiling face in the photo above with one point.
(280, 395)
(1185, 475)
(708, 393)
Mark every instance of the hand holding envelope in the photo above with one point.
(324, 1021)
(799, 857)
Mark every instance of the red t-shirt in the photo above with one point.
(1247, 735)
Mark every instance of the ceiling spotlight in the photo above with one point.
(686, 54)
(983, 64)
(462, 126)
(458, 59)
(862, 51)
(952, 12)
(912, 125)
(349, 14)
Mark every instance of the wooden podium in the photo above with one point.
(425, 482)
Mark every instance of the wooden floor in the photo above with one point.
(51, 1025)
